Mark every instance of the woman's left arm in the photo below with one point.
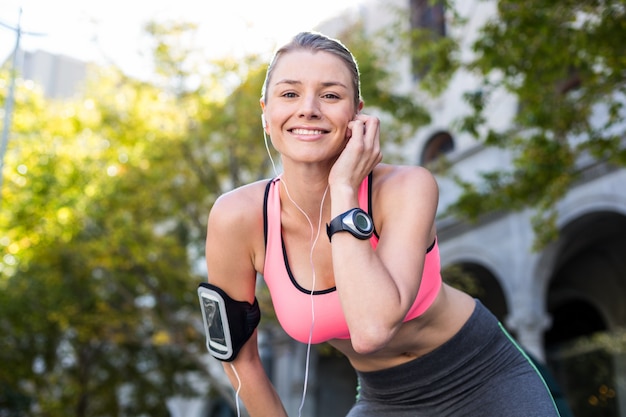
(377, 288)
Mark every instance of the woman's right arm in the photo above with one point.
(257, 392)
(234, 244)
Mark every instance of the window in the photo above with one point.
(439, 144)
(427, 23)
(428, 14)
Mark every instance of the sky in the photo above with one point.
(111, 30)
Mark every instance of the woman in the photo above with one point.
(368, 283)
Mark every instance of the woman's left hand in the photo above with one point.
(361, 154)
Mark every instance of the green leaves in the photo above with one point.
(564, 64)
(100, 216)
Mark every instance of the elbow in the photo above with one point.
(368, 341)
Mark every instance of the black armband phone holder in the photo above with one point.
(228, 323)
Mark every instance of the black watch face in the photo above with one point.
(362, 222)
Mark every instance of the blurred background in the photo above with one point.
(123, 122)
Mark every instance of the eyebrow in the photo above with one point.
(324, 83)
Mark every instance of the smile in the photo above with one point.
(307, 132)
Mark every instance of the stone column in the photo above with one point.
(529, 321)
(619, 360)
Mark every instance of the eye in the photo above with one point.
(331, 96)
(289, 95)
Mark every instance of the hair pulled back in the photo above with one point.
(316, 42)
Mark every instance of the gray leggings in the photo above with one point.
(479, 372)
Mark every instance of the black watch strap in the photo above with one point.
(355, 221)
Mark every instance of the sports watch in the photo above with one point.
(355, 221)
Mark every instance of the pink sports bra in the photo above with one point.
(292, 303)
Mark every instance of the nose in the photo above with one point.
(309, 108)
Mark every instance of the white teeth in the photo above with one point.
(307, 132)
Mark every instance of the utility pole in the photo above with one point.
(10, 97)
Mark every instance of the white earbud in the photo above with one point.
(263, 121)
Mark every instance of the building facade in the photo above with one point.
(60, 76)
(564, 304)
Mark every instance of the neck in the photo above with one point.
(306, 184)
(311, 205)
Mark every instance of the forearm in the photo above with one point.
(256, 391)
(371, 300)
(378, 287)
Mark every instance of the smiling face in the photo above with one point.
(308, 103)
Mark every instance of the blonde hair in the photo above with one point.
(314, 42)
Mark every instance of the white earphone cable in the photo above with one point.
(267, 148)
(313, 243)
(238, 389)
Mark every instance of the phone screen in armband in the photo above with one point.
(218, 339)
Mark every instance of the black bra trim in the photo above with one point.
(293, 279)
(265, 225)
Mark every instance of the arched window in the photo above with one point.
(439, 144)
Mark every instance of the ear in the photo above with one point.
(360, 107)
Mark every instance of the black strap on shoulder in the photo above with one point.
(267, 192)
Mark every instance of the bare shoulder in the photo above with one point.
(404, 181)
(239, 206)
(405, 200)
(235, 242)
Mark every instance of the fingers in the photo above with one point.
(370, 124)
(362, 152)
(365, 130)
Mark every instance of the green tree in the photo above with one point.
(96, 280)
(564, 61)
